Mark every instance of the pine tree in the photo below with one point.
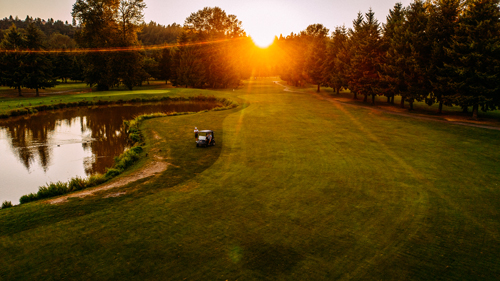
(367, 57)
(335, 66)
(441, 29)
(13, 68)
(475, 50)
(353, 47)
(316, 35)
(164, 66)
(392, 74)
(62, 65)
(38, 65)
(418, 52)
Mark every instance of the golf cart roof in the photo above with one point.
(206, 131)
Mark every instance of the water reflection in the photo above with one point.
(56, 146)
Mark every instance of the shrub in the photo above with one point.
(6, 204)
(77, 184)
(95, 180)
(111, 173)
(135, 137)
(28, 198)
(126, 160)
(52, 189)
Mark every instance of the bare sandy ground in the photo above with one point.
(150, 169)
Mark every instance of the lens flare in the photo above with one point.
(115, 49)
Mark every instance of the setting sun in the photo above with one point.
(262, 41)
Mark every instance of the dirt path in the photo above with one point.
(149, 170)
(413, 115)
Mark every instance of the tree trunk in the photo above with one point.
(365, 99)
(465, 109)
(355, 96)
(402, 102)
(388, 99)
(474, 111)
(373, 99)
(19, 91)
(37, 94)
(317, 91)
(440, 107)
(338, 91)
(411, 104)
(392, 99)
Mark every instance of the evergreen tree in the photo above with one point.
(316, 35)
(151, 67)
(62, 65)
(392, 74)
(13, 68)
(335, 65)
(77, 72)
(475, 50)
(164, 66)
(366, 57)
(353, 45)
(38, 66)
(443, 19)
(418, 52)
(293, 64)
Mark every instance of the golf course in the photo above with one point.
(298, 187)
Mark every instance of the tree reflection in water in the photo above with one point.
(99, 130)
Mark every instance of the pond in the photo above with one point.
(59, 145)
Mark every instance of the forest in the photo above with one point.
(444, 52)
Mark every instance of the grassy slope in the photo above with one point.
(296, 188)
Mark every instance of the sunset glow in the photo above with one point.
(262, 41)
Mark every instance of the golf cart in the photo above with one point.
(204, 138)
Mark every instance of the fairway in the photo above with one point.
(297, 188)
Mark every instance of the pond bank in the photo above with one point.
(42, 149)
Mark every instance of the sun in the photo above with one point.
(263, 41)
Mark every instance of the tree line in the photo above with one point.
(440, 51)
(107, 49)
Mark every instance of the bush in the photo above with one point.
(52, 189)
(135, 137)
(28, 198)
(6, 204)
(95, 180)
(77, 184)
(111, 173)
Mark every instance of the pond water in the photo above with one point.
(57, 146)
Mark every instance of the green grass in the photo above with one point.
(297, 188)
